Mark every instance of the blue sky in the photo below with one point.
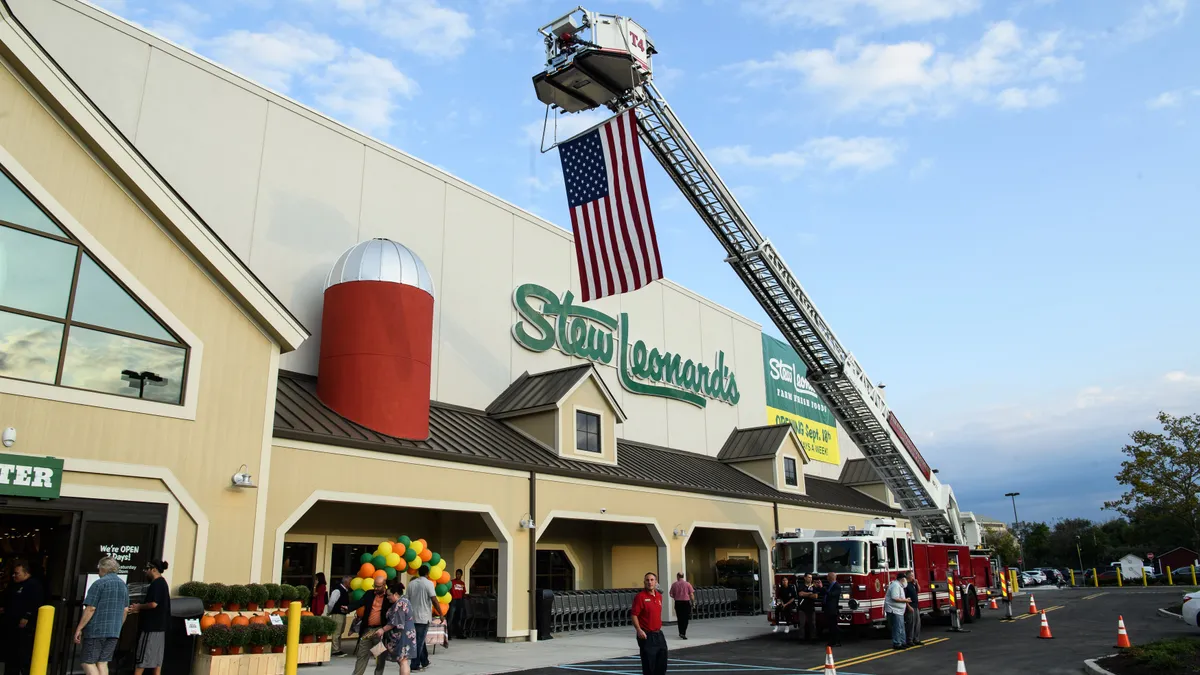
(994, 204)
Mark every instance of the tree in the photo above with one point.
(1004, 544)
(1162, 473)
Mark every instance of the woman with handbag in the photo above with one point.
(400, 634)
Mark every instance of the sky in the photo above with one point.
(993, 204)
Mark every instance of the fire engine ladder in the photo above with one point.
(770, 280)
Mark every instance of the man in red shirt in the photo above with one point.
(647, 622)
(458, 589)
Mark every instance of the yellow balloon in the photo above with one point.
(385, 549)
(414, 564)
(392, 559)
(355, 584)
(444, 598)
(416, 547)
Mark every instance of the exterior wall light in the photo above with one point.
(679, 532)
(10, 437)
(243, 479)
(527, 523)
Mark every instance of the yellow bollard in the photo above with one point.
(41, 640)
(1120, 578)
(1170, 579)
(1144, 582)
(1193, 575)
(293, 640)
(1095, 578)
(1072, 578)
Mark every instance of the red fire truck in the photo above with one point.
(866, 560)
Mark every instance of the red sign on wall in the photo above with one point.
(908, 444)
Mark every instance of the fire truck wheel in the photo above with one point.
(971, 611)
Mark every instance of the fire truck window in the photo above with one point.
(902, 553)
(794, 558)
(840, 557)
(891, 549)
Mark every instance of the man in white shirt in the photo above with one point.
(895, 603)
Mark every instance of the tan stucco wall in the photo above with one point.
(589, 398)
(541, 426)
(789, 449)
(228, 430)
(762, 469)
(630, 564)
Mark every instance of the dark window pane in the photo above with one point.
(29, 347)
(35, 272)
(16, 207)
(587, 432)
(101, 302)
(299, 564)
(98, 361)
(345, 559)
(789, 472)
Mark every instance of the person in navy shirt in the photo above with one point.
(647, 623)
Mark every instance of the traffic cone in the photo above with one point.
(829, 667)
(1032, 605)
(1045, 634)
(993, 604)
(962, 666)
(1122, 636)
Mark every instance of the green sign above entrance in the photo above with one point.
(24, 476)
(547, 322)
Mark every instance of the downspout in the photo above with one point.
(775, 505)
(533, 599)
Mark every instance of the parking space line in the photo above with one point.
(1094, 596)
(863, 658)
(1030, 616)
(632, 666)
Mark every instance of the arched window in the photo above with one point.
(66, 320)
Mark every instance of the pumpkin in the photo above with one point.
(240, 621)
(306, 613)
(223, 619)
(259, 619)
(206, 622)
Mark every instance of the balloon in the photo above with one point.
(445, 578)
(437, 558)
(399, 549)
(355, 583)
(366, 571)
(404, 540)
(445, 607)
(425, 555)
(356, 595)
(391, 573)
(444, 598)
(417, 546)
(384, 549)
(442, 589)
(365, 558)
(392, 560)
(410, 555)
(423, 543)
(379, 561)
(414, 564)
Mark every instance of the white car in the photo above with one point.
(1191, 609)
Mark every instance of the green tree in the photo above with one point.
(1004, 544)
(1162, 472)
(1036, 539)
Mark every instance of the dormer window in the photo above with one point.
(789, 472)
(587, 432)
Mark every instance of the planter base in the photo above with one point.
(258, 664)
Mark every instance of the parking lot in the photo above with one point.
(1082, 621)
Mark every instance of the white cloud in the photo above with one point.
(900, 79)
(361, 89)
(274, 58)
(1171, 99)
(561, 127)
(1151, 17)
(831, 153)
(421, 26)
(1015, 98)
(845, 12)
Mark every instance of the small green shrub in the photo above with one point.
(260, 635)
(217, 594)
(258, 593)
(194, 589)
(239, 595)
(287, 592)
(239, 636)
(217, 635)
(278, 635)
(274, 591)
(303, 593)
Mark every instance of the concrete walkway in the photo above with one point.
(470, 657)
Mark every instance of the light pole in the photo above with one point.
(1079, 553)
(1016, 527)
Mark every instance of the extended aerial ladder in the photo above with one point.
(596, 60)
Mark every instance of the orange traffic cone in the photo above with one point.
(993, 604)
(1122, 636)
(962, 666)
(829, 667)
(1032, 605)
(1045, 634)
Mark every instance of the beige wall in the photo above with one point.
(234, 377)
(588, 398)
(630, 564)
(762, 469)
(790, 449)
(541, 426)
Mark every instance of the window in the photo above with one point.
(789, 472)
(794, 558)
(299, 564)
(345, 560)
(64, 320)
(555, 571)
(842, 557)
(485, 572)
(587, 431)
(902, 554)
(891, 553)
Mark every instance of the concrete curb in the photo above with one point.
(1171, 614)
(1089, 666)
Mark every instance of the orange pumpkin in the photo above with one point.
(206, 622)
(223, 619)
(259, 619)
(306, 613)
(241, 621)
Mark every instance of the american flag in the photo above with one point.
(615, 244)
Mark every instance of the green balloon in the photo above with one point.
(435, 559)
(365, 558)
(404, 540)
(356, 595)
(442, 588)
(379, 562)
(391, 572)
(410, 555)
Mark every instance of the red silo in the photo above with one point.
(377, 339)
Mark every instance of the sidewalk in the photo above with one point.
(471, 657)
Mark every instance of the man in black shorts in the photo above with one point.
(153, 615)
(785, 606)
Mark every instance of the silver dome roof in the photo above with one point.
(380, 260)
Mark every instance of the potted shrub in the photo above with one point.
(273, 595)
(216, 596)
(328, 628)
(258, 596)
(239, 637)
(194, 589)
(216, 639)
(239, 597)
(278, 639)
(260, 638)
(303, 593)
(287, 593)
(308, 629)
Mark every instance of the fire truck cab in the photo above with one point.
(866, 560)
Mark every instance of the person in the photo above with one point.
(105, 607)
(336, 608)
(320, 595)
(22, 599)
(422, 596)
(895, 603)
(647, 625)
(399, 634)
(806, 608)
(375, 610)
(785, 598)
(153, 616)
(912, 616)
(830, 607)
(458, 605)
(683, 594)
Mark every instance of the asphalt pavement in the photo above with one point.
(1083, 623)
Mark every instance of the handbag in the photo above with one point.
(378, 649)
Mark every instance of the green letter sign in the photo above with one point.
(23, 476)
(546, 322)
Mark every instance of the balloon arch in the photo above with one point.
(403, 554)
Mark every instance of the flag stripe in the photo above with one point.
(636, 233)
(582, 253)
(612, 152)
(654, 264)
(600, 219)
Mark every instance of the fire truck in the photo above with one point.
(866, 560)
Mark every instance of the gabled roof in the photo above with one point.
(754, 443)
(473, 437)
(545, 391)
(858, 472)
(118, 155)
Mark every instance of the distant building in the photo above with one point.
(1176, 558)
(991, 524)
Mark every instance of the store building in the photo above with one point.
(215, 254)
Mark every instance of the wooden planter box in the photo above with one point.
(259, 664)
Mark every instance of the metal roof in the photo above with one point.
(858, 472)
(471, 436)
(754, 443)
(543, 391)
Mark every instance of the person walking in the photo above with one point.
(806, 608)
(105, 607)
(647, 625)
(785, 607)
(422, 596)
(458, 605)
(153, 615)
(831, 607)
(912, 617)
(320, 595)
(375, 607)
(895, 603)
(336, 608)
(684, 595)
(399, 634)
(22, 599)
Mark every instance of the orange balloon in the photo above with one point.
(381, 575)
(241, 621)
(425, 555)
(398, 549)
(445, 578)
(423, 544)
(223, 619)
(366, 571)
(444, 607)
(206, 622)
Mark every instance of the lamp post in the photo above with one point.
(138, 380)
(1016, 527)
(1079, 552)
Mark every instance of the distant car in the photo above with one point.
(1183, 575)
(1028, 579)
(1191, 609)
(1039, 576)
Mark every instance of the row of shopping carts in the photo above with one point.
(604, 608)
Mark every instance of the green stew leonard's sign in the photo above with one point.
(24, 476)
(792, 400)
(546, 322)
